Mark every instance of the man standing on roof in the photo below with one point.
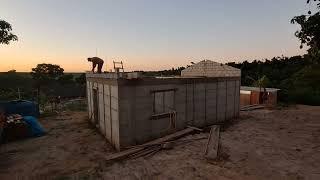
(96, 61)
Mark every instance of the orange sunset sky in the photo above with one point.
(146, 35)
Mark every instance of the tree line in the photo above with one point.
(298, 77)
(41, 86)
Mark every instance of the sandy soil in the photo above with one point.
(261, 144)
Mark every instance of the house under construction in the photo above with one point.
(131, 109)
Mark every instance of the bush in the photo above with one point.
(302, 87)
(305, 95)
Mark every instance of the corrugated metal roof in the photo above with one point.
(248, 88)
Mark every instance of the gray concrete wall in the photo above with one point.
(128, 113)
(89, 99)
(108, 109)
(136, 109)
(195, 103)
(211, 103)
(101, 109)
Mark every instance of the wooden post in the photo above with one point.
(212, 147)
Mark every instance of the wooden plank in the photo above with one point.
(145, 152)
(126, 153)
(251, 105)
(173, 136)
(160, 116)
(163, 90)
(195, 128)
(162, 143)
(252, 108)
(212, 147)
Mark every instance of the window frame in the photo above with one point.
(164, 113)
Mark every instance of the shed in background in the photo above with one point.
(256, 95)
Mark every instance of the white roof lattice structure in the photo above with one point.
(207, 68)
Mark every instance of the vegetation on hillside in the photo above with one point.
(13, 83)
(297, 77)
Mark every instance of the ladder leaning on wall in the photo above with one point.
(117, 66)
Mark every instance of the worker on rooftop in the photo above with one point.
(96, 61)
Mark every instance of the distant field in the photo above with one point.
(27, 74)
(13, 85)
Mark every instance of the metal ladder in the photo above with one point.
(117, 68)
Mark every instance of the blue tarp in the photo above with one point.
(35, 127)
(22, 107)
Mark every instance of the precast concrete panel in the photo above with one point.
(89, 99)
(200, 103)
(180, 106)
(211, 103)
(190, 103)
(101, 108)
(237, 94)
(107, 112)
(222, 99)
(114, 115)
(230, 99)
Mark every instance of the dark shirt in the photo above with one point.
(96, 60)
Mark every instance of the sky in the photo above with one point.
(147, 34)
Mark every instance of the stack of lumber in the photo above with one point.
(151, 147)
(252, 107)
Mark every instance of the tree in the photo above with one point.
(309, 30)
(5, 33)
(262, 82)
(44, 74)
(12, 71)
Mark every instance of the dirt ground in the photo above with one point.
(261, 144)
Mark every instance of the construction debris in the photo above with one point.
(213, 144)
(167, 145)
(150, 147)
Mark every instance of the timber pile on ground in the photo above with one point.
(152, 147)
(252, 107)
